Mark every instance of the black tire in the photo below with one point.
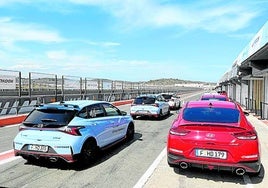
(89, 152)
(30, 159)
(160, 116)
(134, 117)
(168, 113)
(130, 132)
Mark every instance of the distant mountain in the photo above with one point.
(173, 81)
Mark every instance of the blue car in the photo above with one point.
(72, 130)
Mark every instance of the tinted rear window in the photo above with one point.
(51, 118)
(213, 115)
(167, 96)
(214, 98)
(144, 100)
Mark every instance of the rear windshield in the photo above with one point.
(213, 115)
(49, 118)
(166, 96)
(214, 98)
(144, 100)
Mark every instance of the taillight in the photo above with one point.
(155, 104)
(178, 132)
(248, 135)
(73, 130)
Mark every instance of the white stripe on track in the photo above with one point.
(150, 170)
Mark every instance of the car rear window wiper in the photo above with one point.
(28, 123)
(53, 125)
(49, 120)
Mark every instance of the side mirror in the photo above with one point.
(246, 113)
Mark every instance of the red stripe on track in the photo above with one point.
(11, 120)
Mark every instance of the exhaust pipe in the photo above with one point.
(53, 159)
(240, 171)
(184, 165)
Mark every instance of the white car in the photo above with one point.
(173, 100)
(151, 105)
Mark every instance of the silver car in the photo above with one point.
(151, 105)
(174, 101)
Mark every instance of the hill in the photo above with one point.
(173, 81)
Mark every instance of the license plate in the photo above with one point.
(143, 111)
(211, 153)
(40, 148)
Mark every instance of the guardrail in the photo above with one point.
(264, 110)
(14, 105)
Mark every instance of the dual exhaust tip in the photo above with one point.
(238, 171)
(53, 159)
(184, 165)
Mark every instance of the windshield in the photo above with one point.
(213, 115)
(52, 118)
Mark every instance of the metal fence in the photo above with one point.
(20, 94)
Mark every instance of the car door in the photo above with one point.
(97, 124)
(116, 121)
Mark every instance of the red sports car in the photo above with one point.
(214, 135)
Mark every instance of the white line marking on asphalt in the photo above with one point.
(9, 160)
(150, 170)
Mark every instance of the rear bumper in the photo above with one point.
(249, 166)
(148, 114)
(37, 155)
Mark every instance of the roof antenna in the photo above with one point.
(210, 105)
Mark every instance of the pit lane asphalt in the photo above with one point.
(161, 175)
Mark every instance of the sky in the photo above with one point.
(127, 40)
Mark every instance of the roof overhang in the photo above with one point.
(258, 60)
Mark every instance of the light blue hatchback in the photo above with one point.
(72, 130)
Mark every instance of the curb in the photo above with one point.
(19, 118)
(12, 120)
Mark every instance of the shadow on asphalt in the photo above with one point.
(102, 156)
(219, 176)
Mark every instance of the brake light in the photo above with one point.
(73, 130)
(178, 132)
(155, 104)
(248, 135)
